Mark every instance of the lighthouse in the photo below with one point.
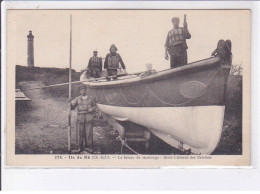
(30, 50)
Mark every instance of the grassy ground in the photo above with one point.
(49, 76)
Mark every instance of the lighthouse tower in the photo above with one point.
(30, 53)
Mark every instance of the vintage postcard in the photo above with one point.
(128, 88)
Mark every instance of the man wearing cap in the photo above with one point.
(176, 44)
(112, 61)
(85, 107)
(95, 65)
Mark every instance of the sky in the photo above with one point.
(138, 34)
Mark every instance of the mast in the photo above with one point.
(69, 113)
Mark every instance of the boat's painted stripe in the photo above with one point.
(199, 127)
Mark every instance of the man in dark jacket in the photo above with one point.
(176, 44)
(95, 65)
(112, 61)
(86, 107)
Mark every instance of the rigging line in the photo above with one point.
(98, 101)
(123, 142)
(124, 97)
(212, 77)
(107, 98)
(96, 98)
(131, 149)
(162, 101)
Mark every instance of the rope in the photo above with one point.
(212, 77)
(106, 98)
(122, 94)
(99, 102)
(162, 101)
(131, 149)
(155, 96)
(123, 142)
(88, 90)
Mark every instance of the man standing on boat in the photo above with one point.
(86, 107)
(112, 61)
(176, 44)
(95, 65)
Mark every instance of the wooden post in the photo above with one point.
(69, 113)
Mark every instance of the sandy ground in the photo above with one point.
(41, 128)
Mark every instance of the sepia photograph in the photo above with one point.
(128, 88)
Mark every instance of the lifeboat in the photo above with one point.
(183, 106)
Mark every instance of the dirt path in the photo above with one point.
(42, 128)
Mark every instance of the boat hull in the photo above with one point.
(183, 106)
(190, 85)
(195, 128)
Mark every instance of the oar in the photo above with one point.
(76, 82)
(88, 80)
(67, 83)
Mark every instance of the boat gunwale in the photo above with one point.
(164, 74)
